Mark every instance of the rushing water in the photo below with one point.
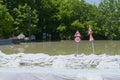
(64, 47)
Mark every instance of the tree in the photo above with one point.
(61, 18)
(6, 21)
(111, 18)
(25, 20)
(78, 15)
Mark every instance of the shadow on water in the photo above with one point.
(64, 47)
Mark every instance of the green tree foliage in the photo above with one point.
(111, 18)
(6, 21)
(76, 14)
(1, 1)
(62, 18)
(25, 19)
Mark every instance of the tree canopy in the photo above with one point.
(59, 18)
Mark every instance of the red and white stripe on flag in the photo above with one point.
(90, 32)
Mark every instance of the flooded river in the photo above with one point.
(64, 47)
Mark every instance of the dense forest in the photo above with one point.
(59, 19)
